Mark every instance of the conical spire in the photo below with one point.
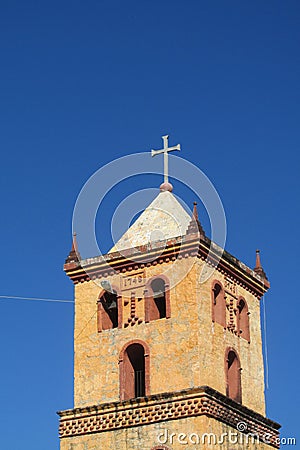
(74, 255)
(195, 225)
(258, 267)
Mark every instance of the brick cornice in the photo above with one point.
(176, 248)
(163, 407)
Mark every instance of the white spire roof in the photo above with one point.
(163, 219)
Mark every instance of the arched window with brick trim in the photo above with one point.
(109, 310)
(218, 304)
(157, 299)
(134, 370)
(233, 375)
(242, 320)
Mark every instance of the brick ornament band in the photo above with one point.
(163, 407)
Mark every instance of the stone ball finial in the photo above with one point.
(166, 187)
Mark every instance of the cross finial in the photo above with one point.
(165, 151)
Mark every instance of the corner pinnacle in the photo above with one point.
(74, 255)
(195, 225)
(258, 267)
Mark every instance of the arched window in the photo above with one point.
(242, 320)
(157, 299)
(134, 370)
(108, 310)
(233, 376)
(218, 304)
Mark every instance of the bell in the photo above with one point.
(111, 304)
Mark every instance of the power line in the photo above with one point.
(84, 327)
(36, 299)
(55, 300)
(265, 341)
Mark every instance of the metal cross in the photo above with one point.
(165, 151)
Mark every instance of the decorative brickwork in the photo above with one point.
(231, 324)
(164, 407)
(133, 318)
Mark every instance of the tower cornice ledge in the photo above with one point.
(176, 405)
(156, 253)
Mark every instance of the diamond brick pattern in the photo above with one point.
(164, 407)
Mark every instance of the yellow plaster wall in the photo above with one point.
(186, 350)
(172, 342)
(214, 340)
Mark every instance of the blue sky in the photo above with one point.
(83, 83)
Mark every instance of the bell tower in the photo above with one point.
(164, 357)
